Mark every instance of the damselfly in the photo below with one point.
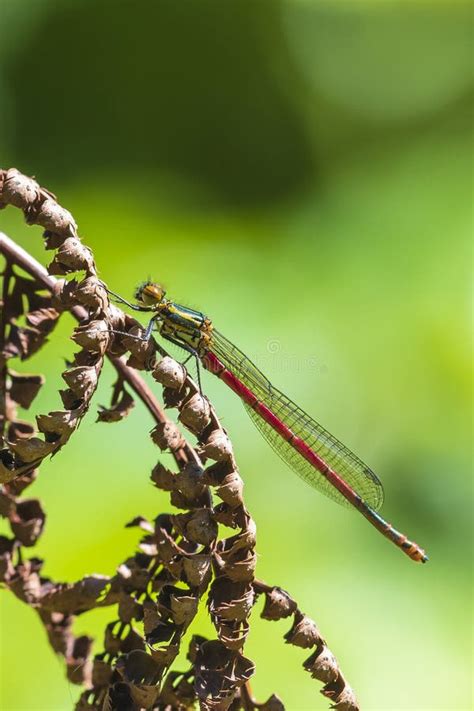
(314, 454)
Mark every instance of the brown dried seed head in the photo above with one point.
(241, 568)
(230, 491)
(112, 643)
(198, 526)
(304, 632)
(81, 379)
(79, 662)
(183, 608)
(19, 190)
(189, 481)
(118, 411)
(128, 608)
(72, 255)
(24, 387)
(167, 436)
(197, 570)
(170, 373)
(345, 700)
(94, 336)
(162, 478)
(230, 600)
(59, 422)
(233, 634)
(218, 446)
(201, 528)
(278, 604)
(142, 352)
(29, 450)
(7, 504)
(322, 665)
(101, 673)
(28, 521)
(116, 317)
(195, 414)
(219, 672)
(91, 292)
(53, 217)
(63, 292)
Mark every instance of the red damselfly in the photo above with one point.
(309, 449)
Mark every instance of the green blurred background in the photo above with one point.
(301, 171)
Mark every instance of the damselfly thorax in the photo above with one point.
(178, 324)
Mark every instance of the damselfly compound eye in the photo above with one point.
(150, 294)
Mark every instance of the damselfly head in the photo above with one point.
(150, 294)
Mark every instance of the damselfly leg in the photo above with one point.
(192, 354)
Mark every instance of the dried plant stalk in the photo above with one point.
(181, 555)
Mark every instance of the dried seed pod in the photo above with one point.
(218, 446)
(278, 604)
(163, 478)
(24, 387)
(231, 489)
(219, 672)
(173, 398)
(304, 632)
(229, 600)
(59, 422)
(44, 319)
(167, 436)
(165, 656)
(26, 584)
(78, 661)
(64, 293)
(119, 411)
(190, 481)
(32, 449)
(51, 239)
(134, 576)
(198, 526)
(20, 429)
(167, 546)
(151, 616)
(170, 373)
(197, 570)
(183, 608)
(81, 379)
(19, 190)
(27, 523)
(142, 351)
(71, 256)
(195, 414)
(94, 336)
(233, 634)
(101, 672)
(342, 699)
(112, 642)
(79, 596)
(20, 483)
(91, 292)
(322, 665)
(128, 608)
(141, 672)
(7, 504)
(53, 217)
(239, 567)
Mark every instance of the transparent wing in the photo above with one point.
(339, 457)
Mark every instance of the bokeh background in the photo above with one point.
(301, 171)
